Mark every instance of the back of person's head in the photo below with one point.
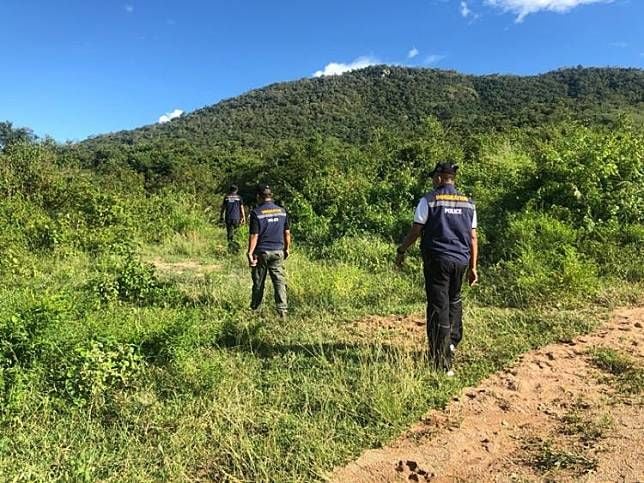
(264, 192)
(234, 188)
(446, 170)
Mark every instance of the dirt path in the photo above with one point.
(185, 267)
(558, 414)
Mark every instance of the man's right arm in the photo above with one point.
(474, 258)
(253, 238)
(412, 235)
(420, 218)
(223, 210)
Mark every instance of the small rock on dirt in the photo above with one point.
(512, 385)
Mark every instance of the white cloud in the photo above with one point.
(619, 45)
(434, 58)
(413, 53)
(337, 68)
(169, 116)
(129, 8)
(465, 10)
(523, 8)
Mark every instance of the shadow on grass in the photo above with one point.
(249, 339)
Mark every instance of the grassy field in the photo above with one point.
(168, 375)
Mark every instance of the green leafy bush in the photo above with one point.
(44, 236)
(541, 265)
(94, 368)
(592, 176)
(20, 334)
(618, 250)
(130, 280)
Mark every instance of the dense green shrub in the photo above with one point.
(94, 368)
(130, 280)
(20, 334)
(591, 176)
(618, 250)
(541, 264)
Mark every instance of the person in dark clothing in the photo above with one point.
(268, 246)
(232, 213)
(446, 221)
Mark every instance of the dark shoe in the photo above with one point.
(282, 314)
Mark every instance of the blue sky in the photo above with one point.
(74, 68)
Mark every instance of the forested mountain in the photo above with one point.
(349, 107)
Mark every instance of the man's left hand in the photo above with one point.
(472, 277)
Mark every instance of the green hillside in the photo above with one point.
(351, 106)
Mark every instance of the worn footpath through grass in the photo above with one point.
(570, 411)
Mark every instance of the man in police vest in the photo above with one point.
(446, 220)
(232, 213)
(268, 246)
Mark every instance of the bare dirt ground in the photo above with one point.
(552, 416)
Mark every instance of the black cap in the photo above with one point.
(234, 187)
(264, 190)
(445, 168)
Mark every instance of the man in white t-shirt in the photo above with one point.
(446, 220)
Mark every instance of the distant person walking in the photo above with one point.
(268, 246)
(232, 213)
(446, 220)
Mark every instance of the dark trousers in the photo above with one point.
(231, 228)
(271, 263)
(443, 282)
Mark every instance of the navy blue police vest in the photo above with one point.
(233, 203)
(271, 221)
(447, 235)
